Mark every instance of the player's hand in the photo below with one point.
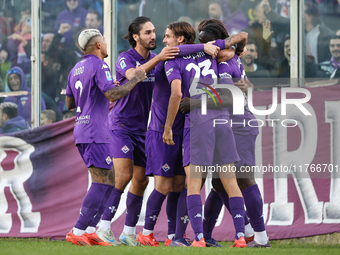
(211, 49)
(3, 56)
(266, 33)
(139, 73)
(167, 137)
(64, 27)
(116, 83)
(244, 52)
(185, 105)
(168, 53)
(266, 6)
(243, 84)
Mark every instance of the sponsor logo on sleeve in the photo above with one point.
(108, 75)
(122, 64)
(104, 66)
(225, 75)
(169, 71)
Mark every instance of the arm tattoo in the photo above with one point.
(121, 91)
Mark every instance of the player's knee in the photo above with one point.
(165, 189)
(217, 185)
(244, 183)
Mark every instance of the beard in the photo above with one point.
(147, 45)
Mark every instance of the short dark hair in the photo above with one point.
(97, 13)
(312, 9)
(252, 42)
(50, 114)
(210, 21)
(335, 37)
(134, 28)
(216, 31)
(10, 109)
(182, 28)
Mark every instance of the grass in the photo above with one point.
(19, 246)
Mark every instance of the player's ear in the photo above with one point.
(180, 39)
(135, 37)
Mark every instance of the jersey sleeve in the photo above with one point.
(172, 70)
(68, 88)
(225, 73)
(124, 63)
(220, 43)
(103, 77)
(187, 49)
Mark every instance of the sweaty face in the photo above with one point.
(251, 55)
(286, 49)
(91, 21)
(204, 37)
(14, 81)
(147, 36)
(334, 48)
(169, 38)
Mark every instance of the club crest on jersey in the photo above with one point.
(125, 149)
(108, 160)
(108, 75)
(122, 64)
(166, 167)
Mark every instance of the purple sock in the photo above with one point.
(182, 218)
(194, 204)
(225, 198)
(102, 207)
(153, 207)
(91, 204)
(238, 213)
(171, 208)
(212, 208)
(133, 206)
(112, 204)
(254, 204)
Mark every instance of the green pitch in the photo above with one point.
(13, 246)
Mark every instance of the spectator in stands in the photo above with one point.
(99, 6)
(16, 43)
(9, 120)
(2, 89)
(47, 117)
(253, 70)
(74, 15)
(330, 67)
(338, 32)
(317, 34)
(46, 42)
(16, 82)
(249, 9)
(69, 114)
(66, 57)
(93, 20)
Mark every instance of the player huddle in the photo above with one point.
(177, 141)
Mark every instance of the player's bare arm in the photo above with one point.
(175, 99)
(211, 49)
(240, 39)
(117, 93)
(70, 103)
(165, 54)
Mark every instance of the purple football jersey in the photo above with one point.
(87, 82)
(204, 69)
(162, 93)
(132, 111)
(228, 70)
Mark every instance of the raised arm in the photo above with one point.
(240, 39)
(117, 93)
(165, 54)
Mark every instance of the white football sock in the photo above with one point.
(105, 224)
(261, 237)
(78, 232)
(248, 230)
(90, 230)
(129, 230)
(171, 236)
(146, 232)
